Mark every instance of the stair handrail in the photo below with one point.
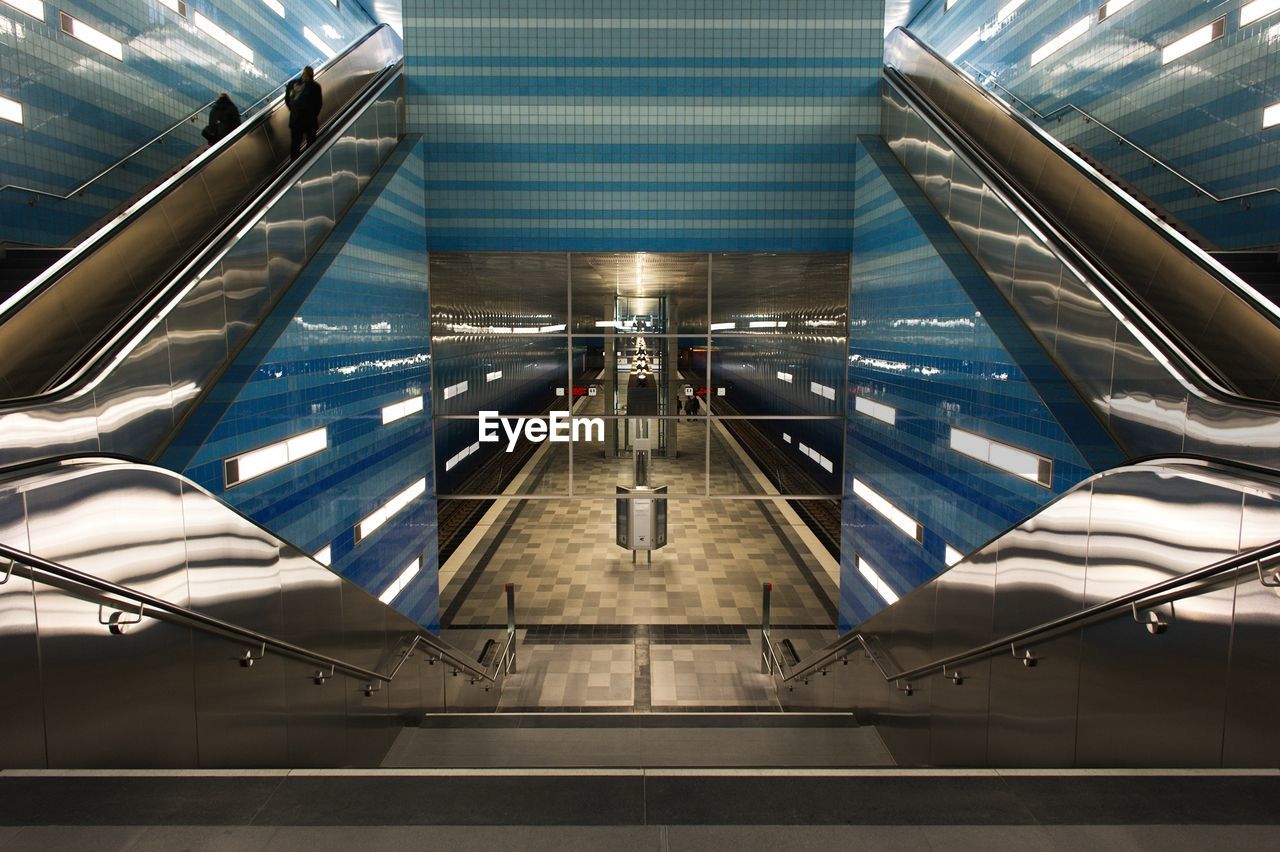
(989, 80)
(1169, 590)
(259, 642)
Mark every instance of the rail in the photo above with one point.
(118, 622)
(987, 80)
(1264, 560)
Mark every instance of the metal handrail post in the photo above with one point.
(766, 665)
(510, 589)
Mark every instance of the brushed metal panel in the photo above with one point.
(964, 618)
(1156, 700)
(21, 697)
(367, 644)
(1215, 431)
(233, 575)
(939, 159)
(317, 202)
(1085, 343)
(286, 240)
(346, 169)
(1253, 690)
(905, 722)
(312, 603)
(997, 242)
(245, 284)
(67, 428)
(966, 204)
(1148, 406)
(1040, 576)
(136, 400)
(197, 333)
(1037, 288)
(114, 700)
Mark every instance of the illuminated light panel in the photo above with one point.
(222, 37)
(876, 582)
(255, 463)
(460, 457)
(877, 410)
(1271, 116)
(891, 513)
(400, 410)
(10, 110)
(1193, 41)
(95, 38)
(1106, 10)
(786, 377)
(963, 47)
(786, 437)
(952, 556)
(388, 510)
(453, 390)
(1257, 10)
(551, 329)
(822, 390)
(1007, 10)
(1060, 41)
(275, 6)
(399, 584)
(34, 8)
(179, 6)
(318, 43)
(723, 326)
(1006, 457)
(493, 377)
(950, 3)
(324, 555)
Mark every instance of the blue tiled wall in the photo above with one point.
(350, 337)
(655, 125)
(927, 338)
(84, 110)
(1201, 114)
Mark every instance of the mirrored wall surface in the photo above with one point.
(715, 376)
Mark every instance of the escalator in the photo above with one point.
(115, 344)
(1133, 620)
(1173, 352)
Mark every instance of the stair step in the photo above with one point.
(659, 740)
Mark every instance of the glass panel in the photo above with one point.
(776, 457)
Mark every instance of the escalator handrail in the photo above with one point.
(1195, 252)
(1194, 370)
(87, 370)
(63, 196)
(1171, 589)
(95, 240)
(1118, 303)
(151, 605)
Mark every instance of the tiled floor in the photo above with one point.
(561, 555)
(577, 675)
(697, 675)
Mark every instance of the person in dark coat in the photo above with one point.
(223, 118)
(304, 99)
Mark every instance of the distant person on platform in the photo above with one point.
(223, 118)
(304, 99)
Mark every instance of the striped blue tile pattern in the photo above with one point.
(1201, 114)
(356, 339)
(84, 110)
(924, 340)
(655, 125)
